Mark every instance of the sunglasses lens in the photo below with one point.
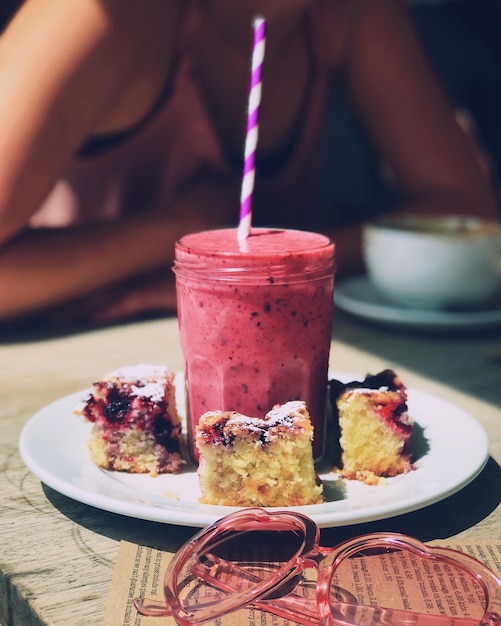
(399, 587)
(223, 573)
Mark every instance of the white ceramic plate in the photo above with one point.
(359, 297)
(452, 449)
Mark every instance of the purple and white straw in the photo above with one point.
(244, 226)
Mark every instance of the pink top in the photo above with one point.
(178, 141)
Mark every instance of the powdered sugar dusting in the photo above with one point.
(141, 372)
(219, 427)
(279, 415)
(366, 390)
(282, 413)
(154, 391)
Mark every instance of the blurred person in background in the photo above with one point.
(122, 128)
(460, 39)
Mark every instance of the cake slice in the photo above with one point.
(374, 426)
(135, 425)
(249, 461)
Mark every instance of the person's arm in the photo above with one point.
(70, 68)
(411, 123)
(42, 269)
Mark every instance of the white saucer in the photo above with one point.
(359, 297)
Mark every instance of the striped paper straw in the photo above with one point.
(244, 226)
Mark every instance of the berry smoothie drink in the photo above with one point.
(255, 322)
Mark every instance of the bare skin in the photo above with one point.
(121, 51)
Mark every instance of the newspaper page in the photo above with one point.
(412, 584)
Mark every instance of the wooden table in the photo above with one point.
(57, 555)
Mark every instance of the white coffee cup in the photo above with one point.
(434, 262)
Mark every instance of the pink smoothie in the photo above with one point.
(255, 323)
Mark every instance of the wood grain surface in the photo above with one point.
(57, 555)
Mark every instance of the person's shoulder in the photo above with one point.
(361, 29)
(370, 13)
(341, 23)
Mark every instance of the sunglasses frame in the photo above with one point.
(265, 594)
